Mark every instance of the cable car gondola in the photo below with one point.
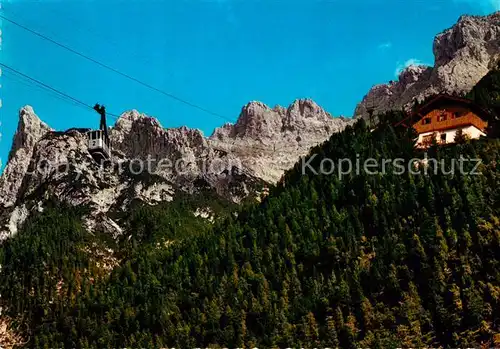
(99, 145)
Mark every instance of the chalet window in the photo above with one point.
(443, 137)
(458, 114)
(426, 121)
(442, 117)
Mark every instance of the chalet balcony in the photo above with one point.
(449, 122)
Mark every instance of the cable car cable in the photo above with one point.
(19, 79)
(113, 69)
(54, 89)
(102, 35)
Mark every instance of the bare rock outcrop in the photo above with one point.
(29, 131)
(463, 55)
(152, 164)
(269, 141)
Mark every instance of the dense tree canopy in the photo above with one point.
(363, 260)
(487, 94)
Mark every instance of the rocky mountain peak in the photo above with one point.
(253, 108)
(269, 141)
(256, 120)
(305, 113)
(139, 135)
(413, 73)
(235, 162)
(127, 119)
(472, 34)
(133, 119)
(261, 123)
(30, 130)
(464, 54)
(305, 108)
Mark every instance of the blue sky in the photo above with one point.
(219, 54)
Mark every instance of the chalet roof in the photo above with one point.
(440, 101)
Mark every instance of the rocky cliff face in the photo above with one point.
(463, 55)
(270, 141)
(29, 131)
(152, 164)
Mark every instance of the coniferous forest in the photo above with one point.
(366, 260)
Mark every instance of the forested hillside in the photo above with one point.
(366, 260)
(487, 94)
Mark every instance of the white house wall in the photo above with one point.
(472, 131)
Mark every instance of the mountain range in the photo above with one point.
(463, 54)
(237, 161)
(184, 239)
